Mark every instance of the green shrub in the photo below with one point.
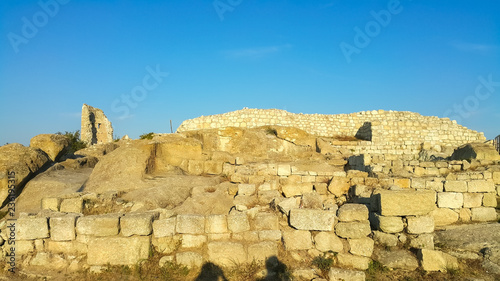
(271, 131)
(75, 143)
(148, 136)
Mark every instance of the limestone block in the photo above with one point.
(66, 247)
(195, 167)
(297, 240)
(352, 261)
(444, 216)
(385, 239)
(164, 227)
(72, 205)
(189, 259)
(388, 224)
(216, 224)
(328, 241)
(420, 225)
(118, 250)
(284, 170)
(248, 236)
(63, 228)
(484, 214)
(453, 200)
(137, 224)
(226, 253)
(270, 235)
(260, 252)
(167, 244)
(473, 200)
(432, 171)
(246, 189)
(238, 222)
(418, 183)
(24, 247)
(480, 186)
(266, 221)
(98, 225)
(432, 260)
(465, 215)
(455, 186)
(419, 171)
(496, 177)
(490, 200)
(340, 274)
(353, 229)
(51, 203)
(403, 183)
(32, 228)
(397, 259)
(193, 241)
(434, 185)
(311, 219)
(406, 202)
(339, 186)
(361, 246)
(212, 167)
(295, 189)
(352, 212)
(423, 241)
(287, 204)
(190, 224)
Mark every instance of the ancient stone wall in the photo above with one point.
(388, 131)
(96, 128)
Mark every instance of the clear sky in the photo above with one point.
(147, 62)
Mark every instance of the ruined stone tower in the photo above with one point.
(96, 127)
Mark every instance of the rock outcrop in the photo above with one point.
(96, 128)
(54, 145)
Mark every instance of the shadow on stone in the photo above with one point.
(211, 272)
(365, 132)
(276, 270)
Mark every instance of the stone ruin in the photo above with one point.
(96, 128)
(260, 189)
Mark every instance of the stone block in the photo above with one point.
(444, 216)
(496, 177)
(352, 212)
(24, 247)
(397, 259)
(189, 259)
(63, 228)
(418, 183)
(297, 240)
(72, 205)
(193, 241)
(32, 228)
(66, 247)
(465, 215)
(247, 236)
(246, 189)
(212, 167)
(455, 186)
(339, 186)
(226, 253)
(484, 214)
(473, 200)
(406, 202)
(432, 260)
(311, 219)
(353, 230)
(296, 189)
(164, 227)
(480, 186)
(216, 224)
(238, 222)
(137, 224)
(190, 224)
(98, 225)
(403, 183)
(271, 235)
(420, 225)
(340, 274)
(388, 224)
(423, 241)
(361, 246)
(453, 200)
(260, 252)
(434, 185)
(167, 244)
(287, 204)
(352, 261)
(266, 221)
(118, 250)
(490, 200)
(51, 203)
(284, 170)
(385, 239)
(328, 241)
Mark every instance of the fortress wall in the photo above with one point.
(389, 131)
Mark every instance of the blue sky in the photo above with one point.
(147, 62)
